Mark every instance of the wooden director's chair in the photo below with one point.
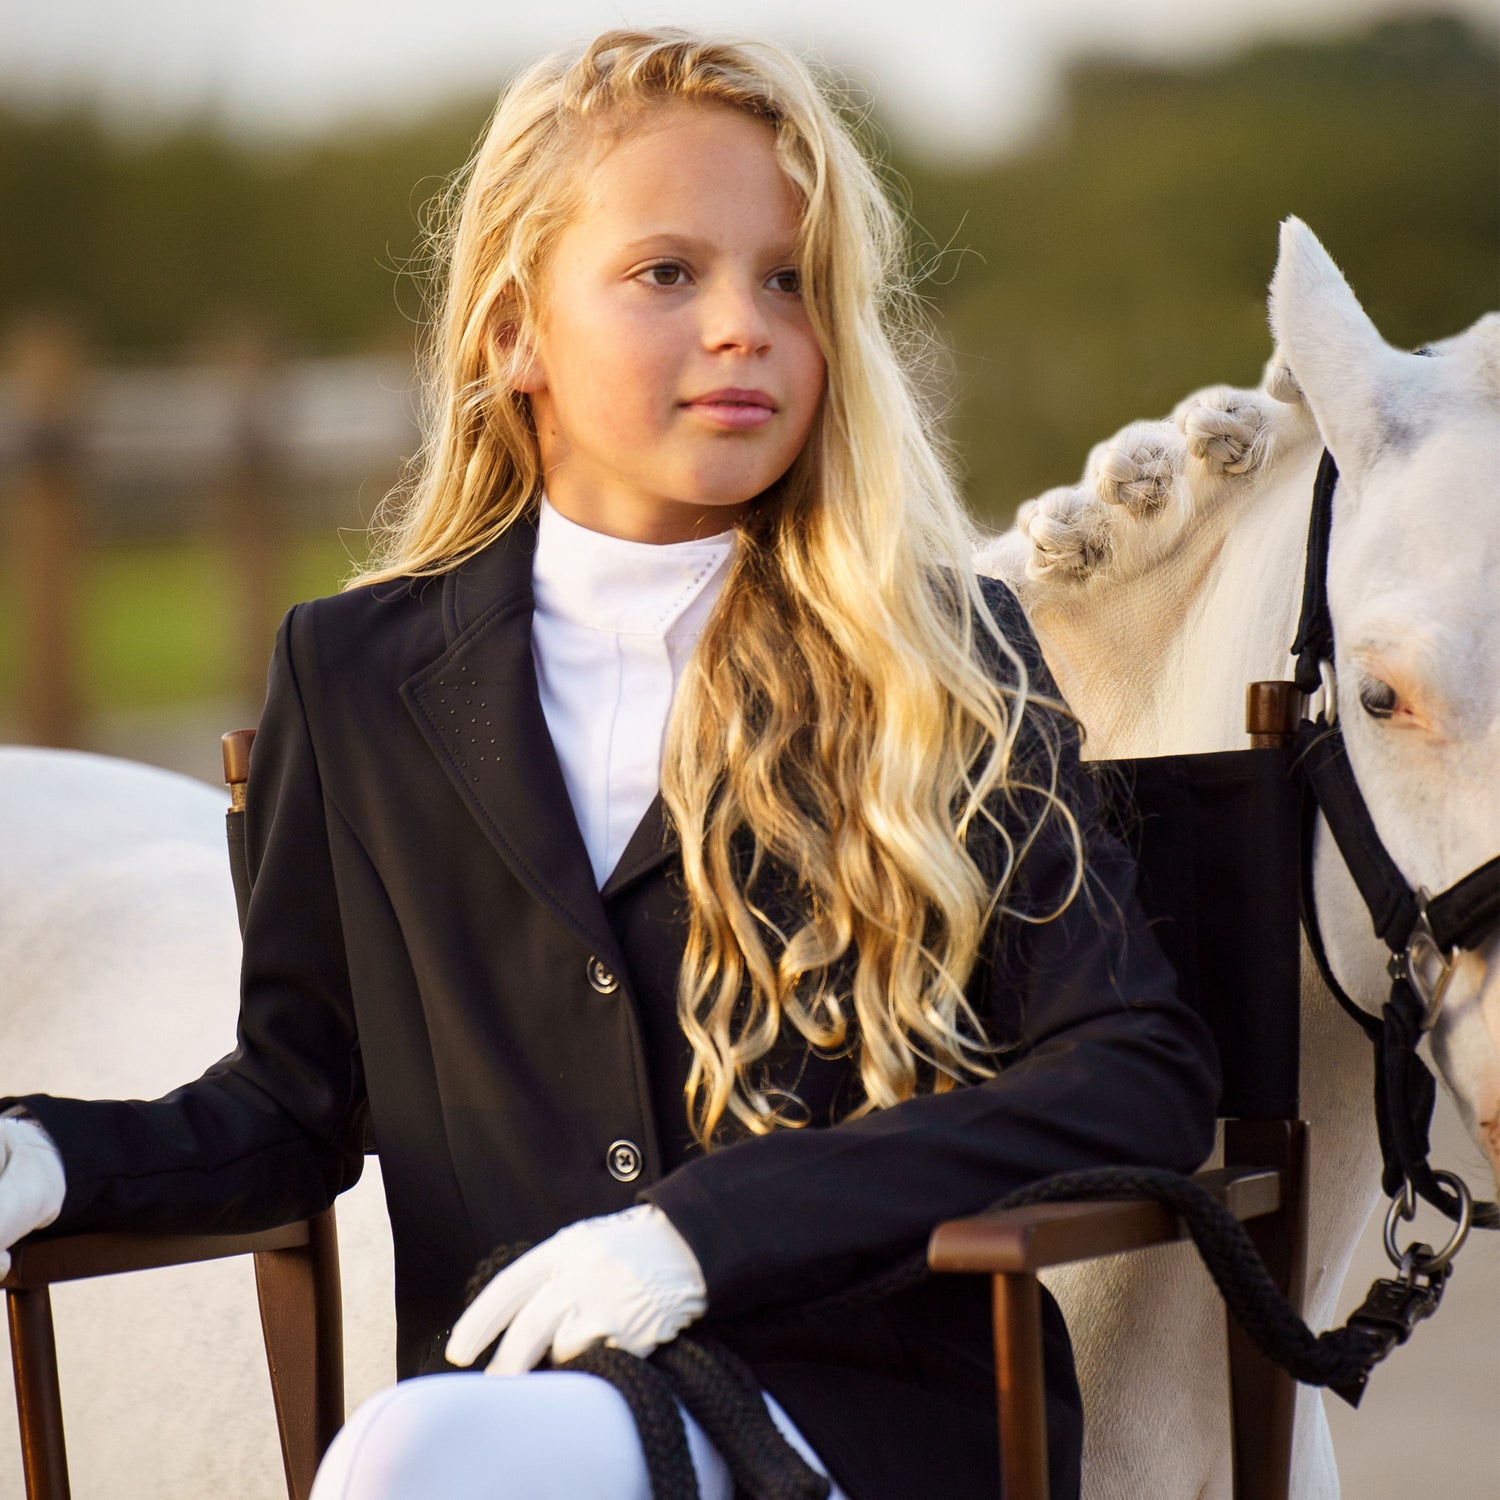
(1217, 838)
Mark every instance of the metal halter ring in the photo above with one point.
(1417, 962)
(1404, 1206)
(1328, 683)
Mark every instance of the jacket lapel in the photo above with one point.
(652, 843)
(478, 708)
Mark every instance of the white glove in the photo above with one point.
(629, 1278)
(31, 1182)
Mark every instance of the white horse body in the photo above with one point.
(1161, 585)
(119, 970)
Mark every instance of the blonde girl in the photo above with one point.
(669, 849)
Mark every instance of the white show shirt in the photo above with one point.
(614, 624)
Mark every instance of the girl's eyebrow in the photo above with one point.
(688, 243)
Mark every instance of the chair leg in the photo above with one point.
(33, 1354)
(1263, 1396)
(301, 1316)
(1022, 1394)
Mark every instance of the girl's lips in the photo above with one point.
(732, 414)
(734, 408)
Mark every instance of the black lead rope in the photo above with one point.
(721, 1392)
(1339, 1358)
(714, 1385)
(723, 1396)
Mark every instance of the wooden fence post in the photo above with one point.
(255, 508)
(45, 545)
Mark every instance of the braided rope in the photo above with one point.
(722, 1393)
(669, 1463)
(1336, 1357)
(711, 1382)
(724, 1397)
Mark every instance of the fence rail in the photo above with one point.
(238, 447)
(181, 425)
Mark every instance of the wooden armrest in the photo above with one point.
(1050, 1234)
(39, 1263)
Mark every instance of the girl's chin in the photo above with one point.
(723, 486)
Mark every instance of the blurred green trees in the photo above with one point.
(1093, 278)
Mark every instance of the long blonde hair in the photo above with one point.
(838, 718)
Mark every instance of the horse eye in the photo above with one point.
(1378, 699)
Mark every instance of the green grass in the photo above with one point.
(160, 621)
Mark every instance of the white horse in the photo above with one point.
(1159, 586)
(119, 973)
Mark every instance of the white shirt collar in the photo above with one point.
(611, 584)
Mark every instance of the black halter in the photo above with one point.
(1425, 934)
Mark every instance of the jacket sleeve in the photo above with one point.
(1104, 1066)
(273, 1131)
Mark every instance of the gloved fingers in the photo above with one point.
(22, 1195)
(530, 1334)
(578, 1330)
(32, 1187)
(507, 1292)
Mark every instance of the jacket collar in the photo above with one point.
(478, 709)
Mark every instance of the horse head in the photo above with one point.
(1413, 580)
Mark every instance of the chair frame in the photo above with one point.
(296, 1281)
(1263, 1183)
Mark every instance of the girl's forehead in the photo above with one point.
(675, 153)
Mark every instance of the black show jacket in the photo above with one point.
(426, 942)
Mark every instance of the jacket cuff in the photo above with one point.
(731, 1267)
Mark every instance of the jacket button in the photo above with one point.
(623, 1160)
(601, 979)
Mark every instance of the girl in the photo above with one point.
(670, 847)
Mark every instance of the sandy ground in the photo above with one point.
(1429, 1425)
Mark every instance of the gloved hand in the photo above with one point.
(31, 1182)
(629, 1278)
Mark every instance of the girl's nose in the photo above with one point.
(734, 318)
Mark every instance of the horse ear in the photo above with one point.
(1344, 367)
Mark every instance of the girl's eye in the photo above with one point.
(665, 274)
(787, 281)
(1378, 699)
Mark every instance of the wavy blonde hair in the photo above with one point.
(838, 720)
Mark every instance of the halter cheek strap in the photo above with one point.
(1425, 934)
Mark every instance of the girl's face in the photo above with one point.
(676, 373)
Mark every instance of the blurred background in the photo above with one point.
(210, 287)
(210, 298)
